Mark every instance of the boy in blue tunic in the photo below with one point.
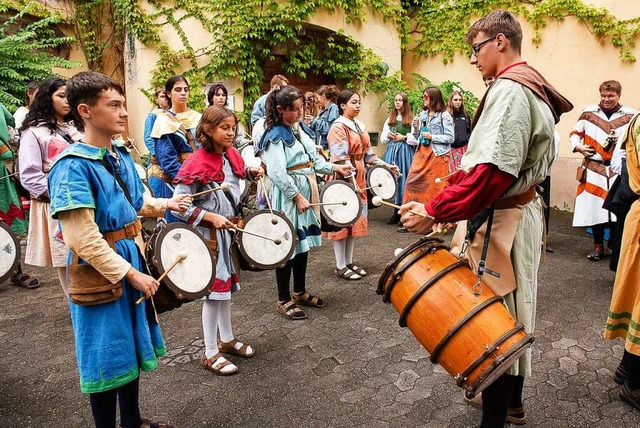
(114, 340)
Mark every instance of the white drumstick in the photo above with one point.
(438, 180)
(377, 201)
(181, 257)
(276, 241)
(373, 187)
(136, 149)
(224, 187)
(10, 175)
(319, 204)
(274, 220)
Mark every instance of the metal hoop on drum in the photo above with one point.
(142, 171)
(340, 205)
(381, 182)
(9, 252)
(265, 254)
(190, 279)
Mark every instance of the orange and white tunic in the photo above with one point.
(592, 130)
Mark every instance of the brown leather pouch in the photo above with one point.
(87, 287)
(581, 172)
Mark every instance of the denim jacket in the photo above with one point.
(440, 125)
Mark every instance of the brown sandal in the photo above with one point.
(346, 273)
(358, 270)
(308, 299)
(147, 423)
(230, 348)
(210, 364)
(291, 311)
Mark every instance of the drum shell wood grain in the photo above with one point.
(443, 305)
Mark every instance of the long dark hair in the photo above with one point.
(283, 97)
(344, 97)
(212, 91)
(407, 115)
(41, 111)
(171, 83)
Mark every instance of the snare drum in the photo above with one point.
(264, 254)
(460, 322)
(381, 182)
(9, 252)
(342, 205)
(190, 279)
(142, 171)
(247, 152)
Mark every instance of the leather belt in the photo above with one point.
(129, 231)
(358, 157)
(516, 200)
(300, 166)
(600, 168)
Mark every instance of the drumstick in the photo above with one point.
(136, 149)
(377, 201)
(224, 187)
(398, 250)
(372, 187)
(319, 204)
(274, 220)
(276, 241)
(438, 180)
(181, 257)
(10, 175)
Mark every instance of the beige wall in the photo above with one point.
(575, 62)
(376, 34)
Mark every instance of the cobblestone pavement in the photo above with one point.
(348, 364)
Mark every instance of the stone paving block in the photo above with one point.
(564, 343)
(388, 413)
(357, 395)
(406, 380)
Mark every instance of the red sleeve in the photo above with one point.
(469, 193)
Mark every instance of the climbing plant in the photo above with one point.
(245, 33)
(25, 50)
(439, 27)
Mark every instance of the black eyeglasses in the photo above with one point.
(475, 48)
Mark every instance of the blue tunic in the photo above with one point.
(115, 340)
(282, 150)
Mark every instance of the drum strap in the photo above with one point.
(236, 208)
(119, 179)
(482, 265)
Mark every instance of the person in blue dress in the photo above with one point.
(154, 171)
(289, 153)
(401, 144)
(173, 134)
(97, 196)
(328, 114)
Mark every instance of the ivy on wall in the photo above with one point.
(246, 33)
(439, 27)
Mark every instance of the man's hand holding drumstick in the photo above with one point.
(417, 223)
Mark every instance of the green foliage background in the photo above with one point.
(23, 54)
(245, 33)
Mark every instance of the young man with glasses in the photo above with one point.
(594, 137)
(509, 153)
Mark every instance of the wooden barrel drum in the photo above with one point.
(462, 324)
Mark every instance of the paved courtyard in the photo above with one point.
(349, 364)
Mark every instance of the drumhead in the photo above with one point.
(147, 189)
(248, 154)
(9, 252)
(382, 182)
(263, 253)
(142, 171)
(192, 277)
(339, 214)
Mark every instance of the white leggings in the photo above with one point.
(216, 315)
(343, 249)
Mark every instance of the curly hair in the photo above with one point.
(283, 97)
(41, 111)
(212, 117)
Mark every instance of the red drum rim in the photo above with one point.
(17, 254)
